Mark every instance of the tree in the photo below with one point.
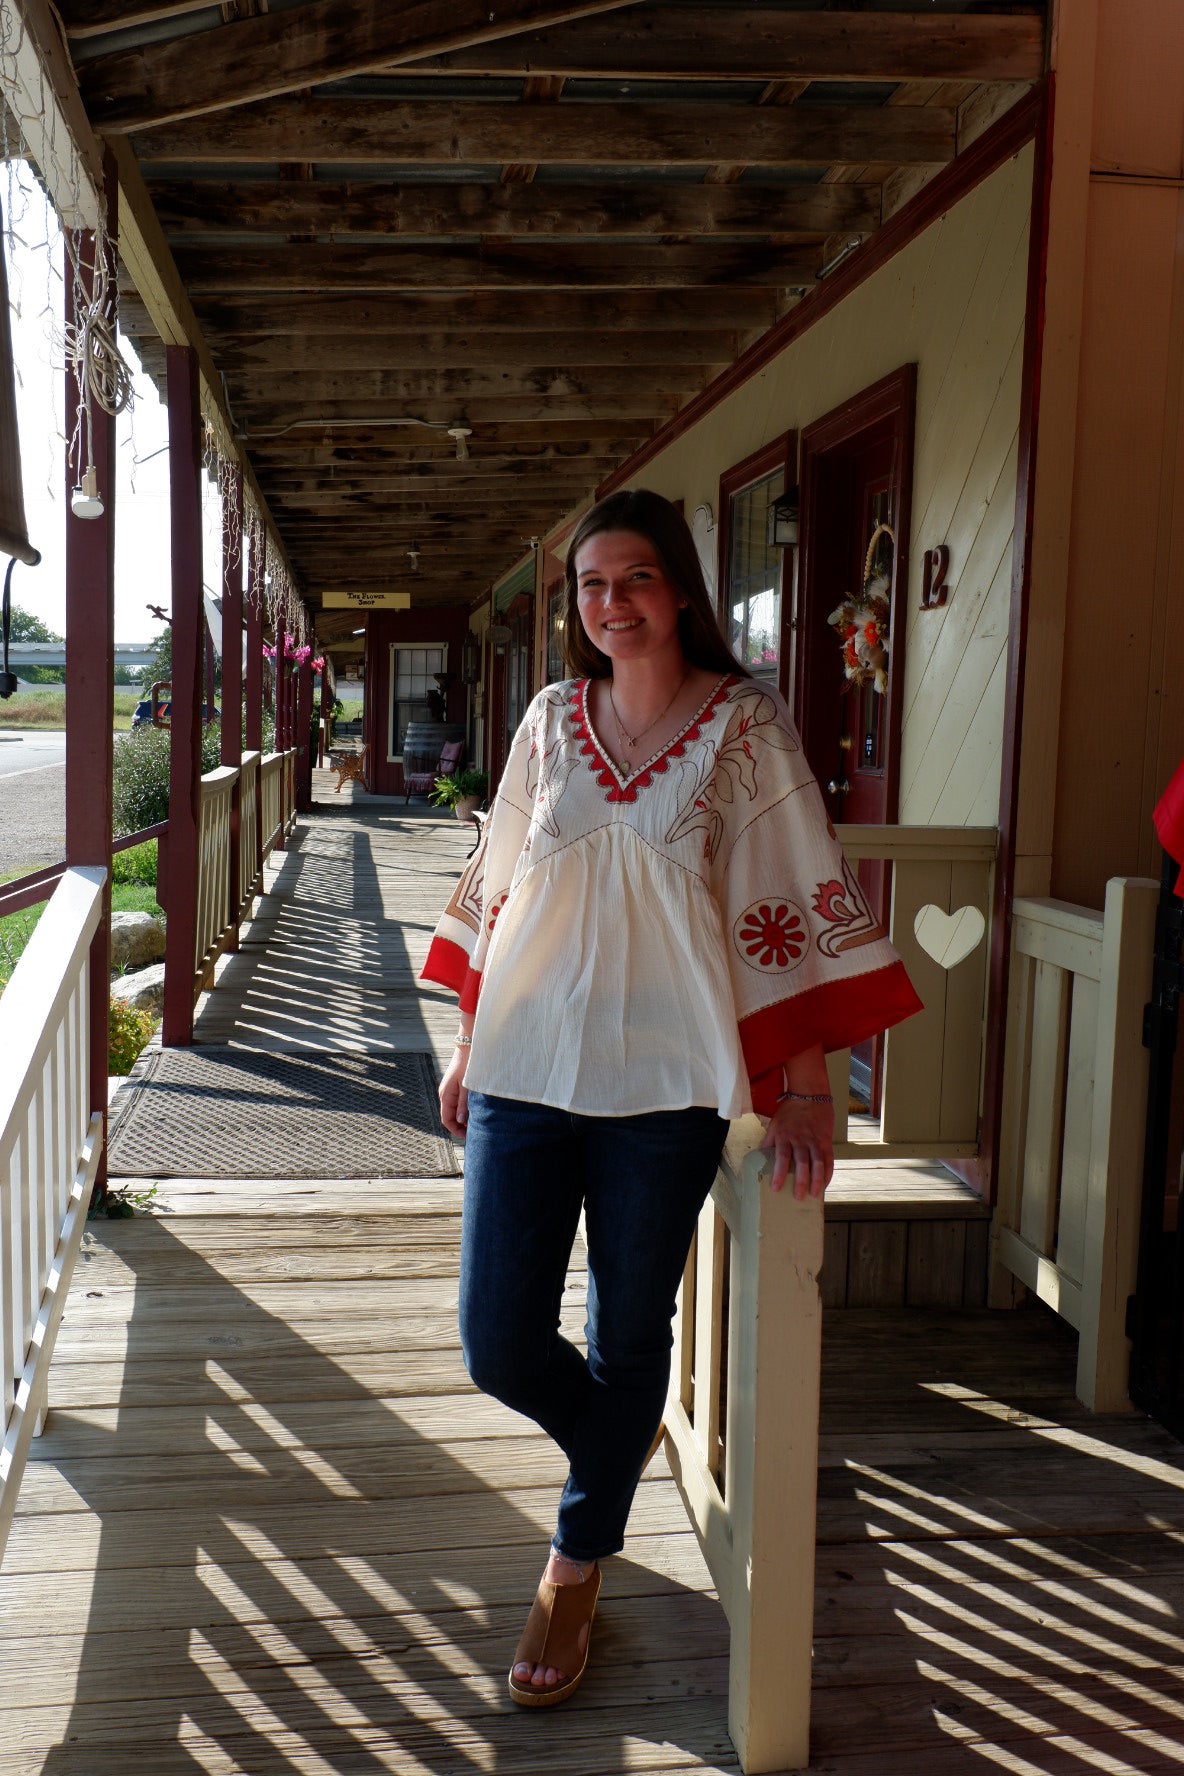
(159, 669)
(27, 627)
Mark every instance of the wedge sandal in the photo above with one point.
(552, 1637)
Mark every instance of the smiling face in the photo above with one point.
(628, 607)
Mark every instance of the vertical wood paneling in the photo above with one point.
(953, 301)
(1079, 1097)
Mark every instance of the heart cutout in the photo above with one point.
(949, 937)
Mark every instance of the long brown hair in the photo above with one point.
(647, 514)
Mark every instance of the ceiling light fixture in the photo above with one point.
(413, 558)
(844, 252)
(462, 434)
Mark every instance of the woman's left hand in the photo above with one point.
(800, 1137)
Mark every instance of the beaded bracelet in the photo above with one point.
(807, 1097)
(460, 1040)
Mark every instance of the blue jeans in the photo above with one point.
(642, 1181)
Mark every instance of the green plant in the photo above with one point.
(135, 865)
(128, 1029)
(141, 774)
(119, 1205)
(446, 792)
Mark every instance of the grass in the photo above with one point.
(17, 928)
(47, 709)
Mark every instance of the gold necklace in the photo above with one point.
(629, 741)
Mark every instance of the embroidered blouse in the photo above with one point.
(666, 939)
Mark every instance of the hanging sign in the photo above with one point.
(368, 601)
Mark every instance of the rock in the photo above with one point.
(136, 939)
(144, 989)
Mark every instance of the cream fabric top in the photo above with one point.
(664, 940)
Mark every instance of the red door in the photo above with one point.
(855, 478)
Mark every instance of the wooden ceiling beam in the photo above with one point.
(498, 470)
(695, 43)
(258, 58)
(271, 415)
(311, 389)
(508, 265)
(213, 207)
(336, 316)
(360, 132)
(406, 444)
(449, 351)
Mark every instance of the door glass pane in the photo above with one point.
(413, 671)
(754, 579)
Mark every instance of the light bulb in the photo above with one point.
(85, 501)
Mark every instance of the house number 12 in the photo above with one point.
(935, 588)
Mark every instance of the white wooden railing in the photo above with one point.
(50, 1148)
(1075, 1093)
(743, 1409)
(941, 900)
(752, 1500)
(214, 912)
(271, 793)
(248, 831)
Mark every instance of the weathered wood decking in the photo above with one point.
(272, 1529)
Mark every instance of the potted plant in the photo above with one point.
(462, 792)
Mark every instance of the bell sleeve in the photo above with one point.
(809, 961)
(456, 954)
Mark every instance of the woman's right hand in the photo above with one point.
(454, 1099)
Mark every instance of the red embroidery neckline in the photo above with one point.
(626, 790)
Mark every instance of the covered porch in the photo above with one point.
(270, 1527)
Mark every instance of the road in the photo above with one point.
(32, 799)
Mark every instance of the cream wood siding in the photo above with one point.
(953, 302)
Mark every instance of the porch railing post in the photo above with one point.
(303, 736)
(772, 1470)
(1116, 1146)
(232, 669)
(188, 624)
(90, 662)
(253, 716)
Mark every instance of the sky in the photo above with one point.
(34, 263)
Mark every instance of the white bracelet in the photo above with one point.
(462, 1041)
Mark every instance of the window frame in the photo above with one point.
(396, 758)
(780, 453)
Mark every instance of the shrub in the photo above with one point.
(141, 773)
(128, 1029)
(136, 865)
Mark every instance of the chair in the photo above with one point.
(448, 764)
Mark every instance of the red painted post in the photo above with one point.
(232, 667)
(304, 736)
(90, 673)
(326, 710)
(185, 470)
(253, 718)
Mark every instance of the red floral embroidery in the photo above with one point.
(607, 778)
(494, 910)
(772, 934)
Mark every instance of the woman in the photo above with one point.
(656, 934)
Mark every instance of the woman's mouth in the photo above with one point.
(619, 624)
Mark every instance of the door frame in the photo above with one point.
(892, 400)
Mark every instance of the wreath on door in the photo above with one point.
(862, 623)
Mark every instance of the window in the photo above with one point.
(413, 676)
(754, 578)
(556, 665)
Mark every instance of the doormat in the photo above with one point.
(216, 1112)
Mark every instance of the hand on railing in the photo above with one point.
(801, 1132)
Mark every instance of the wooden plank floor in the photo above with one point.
(271, 1528)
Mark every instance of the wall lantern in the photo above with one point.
(500, 635)
(470, 659)
(783, 521)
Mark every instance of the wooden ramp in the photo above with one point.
(272, 1529)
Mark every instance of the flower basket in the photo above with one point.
(863, 622)
(464, 807)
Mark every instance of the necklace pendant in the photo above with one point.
(623, 769)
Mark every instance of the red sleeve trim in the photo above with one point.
(447, 964)
(837, 1014)
(470, 991)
